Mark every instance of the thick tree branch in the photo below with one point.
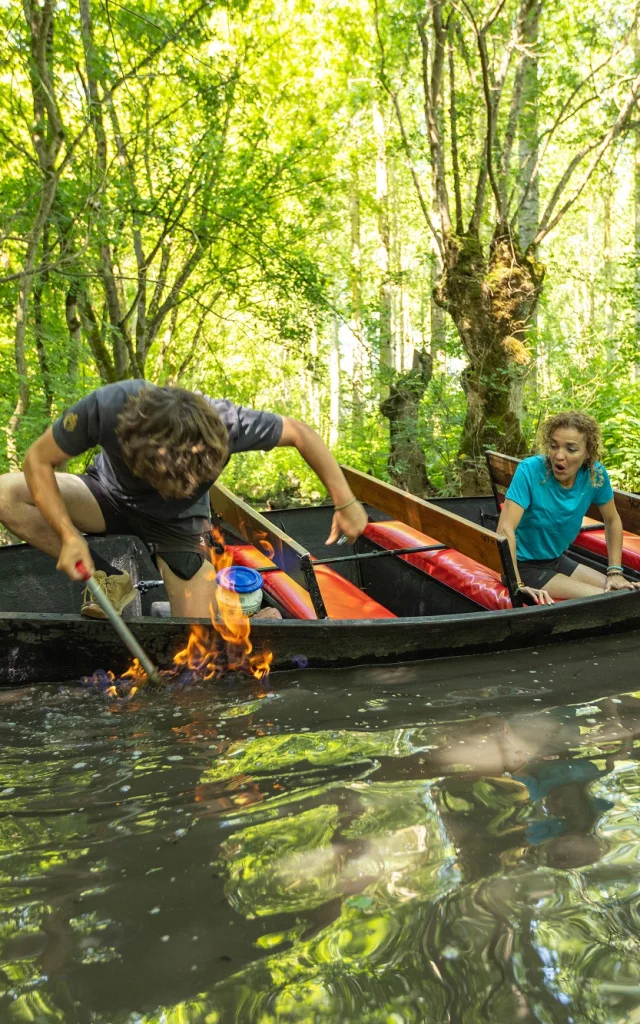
(492, 88)
(432, 90)
(455, 163)
(406, 145)
(549, 221)
(565, 113)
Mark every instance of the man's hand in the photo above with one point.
(618, 582)
(75, 549)
(349, 522)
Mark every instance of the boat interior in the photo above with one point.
(416, 558)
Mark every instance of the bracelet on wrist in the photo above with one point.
(615, 570)
(339, 508)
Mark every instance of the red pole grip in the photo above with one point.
(80, 566)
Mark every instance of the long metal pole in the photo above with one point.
(367, 554)
(119, 625)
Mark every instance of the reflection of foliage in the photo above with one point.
(274, 753)
(283, 865)
(422, 896)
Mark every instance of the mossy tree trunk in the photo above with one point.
(490, 290)
(491, 301)
(406, 460)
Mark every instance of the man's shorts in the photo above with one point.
(537, 574)
(183, 544)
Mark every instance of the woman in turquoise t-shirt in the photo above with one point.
(544, 507)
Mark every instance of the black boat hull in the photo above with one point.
(55, 648)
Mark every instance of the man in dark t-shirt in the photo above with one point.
(161, 450)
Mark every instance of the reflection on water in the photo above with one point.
(457, 842)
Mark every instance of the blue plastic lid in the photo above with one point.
(239, 578)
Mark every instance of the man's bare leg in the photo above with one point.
(20, 515)
(190, 599)
(193, 599)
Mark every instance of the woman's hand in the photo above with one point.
(618, 582)
(539, 596)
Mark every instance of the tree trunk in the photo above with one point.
(607, 272)
(491, 304)
(47, 138)
(438, 328)
(406, 460)
(335, 415)
(636, 212)
(355, 274)
(383, 254)
(313, 389)
(74, 326)
(158, 374)
(528, 149)
(38, 327)
(528, 133)
(26, 280)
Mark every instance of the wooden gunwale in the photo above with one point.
(288, 555)
(477, 542)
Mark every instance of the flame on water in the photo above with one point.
(210, 652)
(228, 648)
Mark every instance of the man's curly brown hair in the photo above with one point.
(173, 439)
(585, 425)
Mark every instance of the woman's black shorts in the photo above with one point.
(537, 574)
(181, 543)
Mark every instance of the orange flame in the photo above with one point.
(209, 653)
(228, 647)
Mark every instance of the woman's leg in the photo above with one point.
(561, 587)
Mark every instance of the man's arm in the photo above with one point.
(40, 463)
(350, 521)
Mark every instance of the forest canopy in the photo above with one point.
(416, 226)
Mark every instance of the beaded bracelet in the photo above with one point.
(615, 570)
(339, 508)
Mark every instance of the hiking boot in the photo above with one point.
(119, 590)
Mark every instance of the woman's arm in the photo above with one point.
(613, 538)
(507, 524)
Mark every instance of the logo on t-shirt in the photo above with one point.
(70, 422)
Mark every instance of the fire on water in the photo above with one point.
(210, 652)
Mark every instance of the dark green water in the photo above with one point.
(446, 842)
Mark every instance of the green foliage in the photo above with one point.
(247, 147)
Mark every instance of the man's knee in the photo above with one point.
(13, 492)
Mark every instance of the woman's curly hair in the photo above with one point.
(585, 425)
(173, 439)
